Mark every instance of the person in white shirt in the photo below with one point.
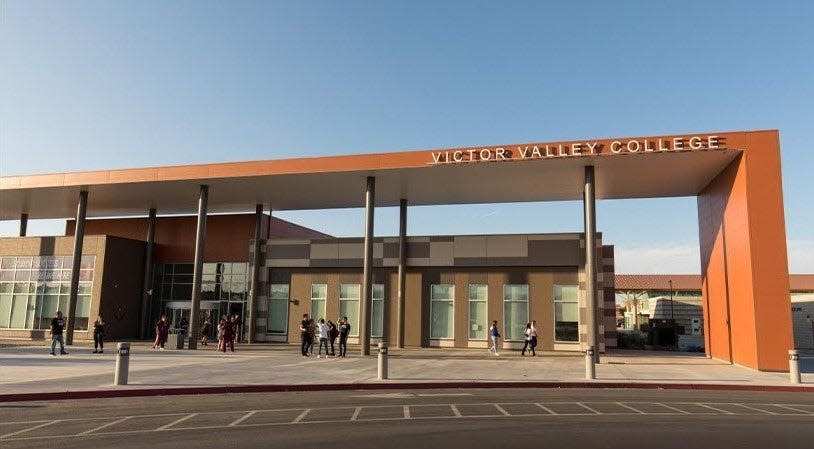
(531, 338)
(323, 330)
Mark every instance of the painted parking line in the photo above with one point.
(105, 426)
(79, 427)
(177, 421)
(29, 429)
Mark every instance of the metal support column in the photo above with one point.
(78, 239)
(402, 274)
(147, 285)
(366, 306)
(195, 307)
(23, 224)
(255, 280)
(589, 205)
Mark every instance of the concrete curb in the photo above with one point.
(271, 388)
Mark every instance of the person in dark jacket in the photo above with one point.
(57, 325)
(344, 331)
(98, 335)
(162, 330)
(206, 329)
(333, 332)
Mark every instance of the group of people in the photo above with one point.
(228, 331)
(530, 338)
(326, 332)
(58, 327)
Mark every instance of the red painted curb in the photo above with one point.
(96, 394)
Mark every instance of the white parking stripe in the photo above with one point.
(793, 409)
(301, 416)
(356, 413)
(545, 408)
(242, 418)
(501, 410)
(756, 409)
(629, 407)
(589, 408)
(30, 428)
(406, 412)
(177, 421)
(455, 410)
(673, 408)
(104, 426)
(713, 408)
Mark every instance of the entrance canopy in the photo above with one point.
(638, 167)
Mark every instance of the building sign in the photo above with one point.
(575, 149)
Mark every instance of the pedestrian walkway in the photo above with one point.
(29, 369)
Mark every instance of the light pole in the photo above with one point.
(672, 314)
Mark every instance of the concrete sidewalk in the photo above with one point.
(29, 369)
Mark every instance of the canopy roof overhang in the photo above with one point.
(659, 167)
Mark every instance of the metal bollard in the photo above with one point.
(122, 364)
(590, 368)
(794, 366)
(382, 361)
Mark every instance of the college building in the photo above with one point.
(155, 257)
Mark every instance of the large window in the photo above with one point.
(32, 289)
(566, 313)
(377, 325)
(515, 311)
(442, 299)
(278, 309)
(319, 296)
(478, 296)
(224, 283)
(349, 305)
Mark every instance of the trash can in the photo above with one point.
(176, 341)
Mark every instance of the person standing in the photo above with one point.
(238, 327)
(162, 330)
(305, 334)
(344, 331)
(57, 327)
(206, 328)
(333, 332)
(98, 335)
(228, 334)
(221, 333)
(322, 329)
(495, 335)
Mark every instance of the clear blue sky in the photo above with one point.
(99, 84)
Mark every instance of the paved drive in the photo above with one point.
(430, 418)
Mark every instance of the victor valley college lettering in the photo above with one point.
(575, 149)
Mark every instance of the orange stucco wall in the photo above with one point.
(744, 264)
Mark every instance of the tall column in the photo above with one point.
(78, 239)
(147, 286)
(402, 272)
(367, 287)
(23, 224)
(253, 290)
(195, 307)
(589, 207)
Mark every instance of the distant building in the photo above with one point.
(645, 296)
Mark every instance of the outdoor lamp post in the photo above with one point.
(672, 314)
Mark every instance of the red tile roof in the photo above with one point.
(688, 282)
